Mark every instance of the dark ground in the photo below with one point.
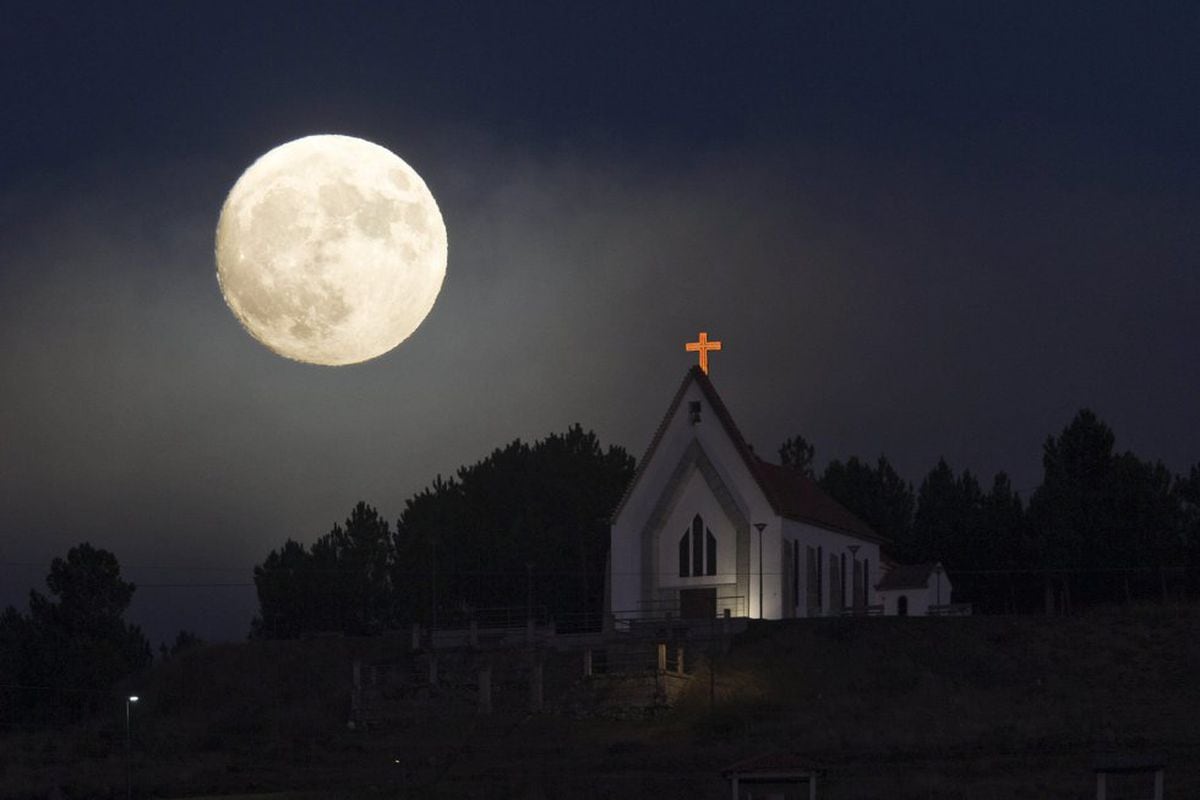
(982, 707)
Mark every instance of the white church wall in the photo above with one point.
(697, 498)
(835, 544)
(678, 434)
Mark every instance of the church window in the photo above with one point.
(820, 578)
(697, 550)
(796, 575)
(866, 600)
(842, 579)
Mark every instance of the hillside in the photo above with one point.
(968, 707)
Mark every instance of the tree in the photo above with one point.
(288, 593)
(877, 495)
(796, 453)
(1005, 545)
(1110, 522)
(1187, 494)
(184, 641)
(545, 505)
(463, 542)
(355, 564)
(77, 644)
(342, 584)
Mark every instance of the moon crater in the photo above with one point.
(330, 250)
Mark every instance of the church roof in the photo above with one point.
(906, 576)
(791, 494)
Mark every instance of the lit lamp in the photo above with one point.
(759, 526)
(129, 701)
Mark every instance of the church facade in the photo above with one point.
(707, 528)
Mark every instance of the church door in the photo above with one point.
(698, 603)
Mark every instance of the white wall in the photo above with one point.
(678, 434)
(920, 598)
(697, 499)
(831, 543)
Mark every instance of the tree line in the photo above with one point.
(1103, 526)
(526, 525)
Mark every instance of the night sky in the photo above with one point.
(919, 229)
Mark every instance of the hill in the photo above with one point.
(946, 708)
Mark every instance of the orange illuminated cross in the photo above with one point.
(702, 347)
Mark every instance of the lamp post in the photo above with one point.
(759, 526)
(129, 701)
(854, 596)
(937, 570)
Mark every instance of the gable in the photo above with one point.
(788, 494)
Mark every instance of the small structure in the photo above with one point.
(916, 590)
(778, 776)
(1123, 764)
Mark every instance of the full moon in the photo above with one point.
(330, 250)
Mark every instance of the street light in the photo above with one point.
(129, 701)
(760, 526)
(937, 570)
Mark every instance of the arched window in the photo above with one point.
(902, 606)
(685, 560)
(697, 550)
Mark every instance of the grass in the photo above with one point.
(901, 708)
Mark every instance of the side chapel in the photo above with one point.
(707, 528)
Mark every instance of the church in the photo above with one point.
(706, 529)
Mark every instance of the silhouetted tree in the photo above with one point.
(342, 584)
(1187, 495)
(796, 453)
(354, 563)
(1004, 546)
(545, 505)
(74, 644)
(878, 495)
(184, 641)
(1112, 521)
(468, 539)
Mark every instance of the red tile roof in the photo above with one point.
(906, 576)
(791, 494)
